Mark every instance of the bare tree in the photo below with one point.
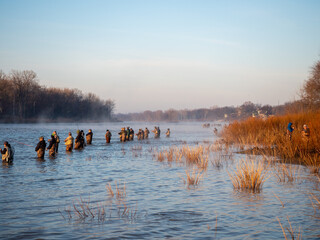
(310, 92)
(25, 84)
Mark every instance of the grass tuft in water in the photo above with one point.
(249, 175)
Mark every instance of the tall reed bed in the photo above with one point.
(270, 134)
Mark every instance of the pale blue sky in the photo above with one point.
(150, 55)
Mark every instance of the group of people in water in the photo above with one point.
(78, 143)
(128, 134)
(125, 135)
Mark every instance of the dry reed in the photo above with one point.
(249, 175)
(193, 178)
(294, 236)
(270, 135)
(286, 172)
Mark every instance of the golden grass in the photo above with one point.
(160, 156)
(194, 177)
(186, 154)
(249, 175)
(286, 172)
(271, 134)
(312, 162)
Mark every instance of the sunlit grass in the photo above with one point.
(286, 172)
(249, 175)
(193, 178)
(270, 135)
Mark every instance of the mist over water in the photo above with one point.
(35, 194)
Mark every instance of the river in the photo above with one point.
(38, 197)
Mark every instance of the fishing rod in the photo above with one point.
(22, 143)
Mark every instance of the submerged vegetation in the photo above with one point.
(22, 99)
(82, 210)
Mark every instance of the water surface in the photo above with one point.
(35, 194)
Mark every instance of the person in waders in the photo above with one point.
(79, 141)
(108, 136)
(122, 135)
(168, 132)
(41, 147)
(131, 135)
(146, 133)
(89, 136)
(128, 134)
(305, 132)
(83, 141)
(156, 132)
(305, 135)
(7, 153)
(52, 146)
(69, 142)
(139, 134)
(57, 141)
(215, 131)
(290, 129)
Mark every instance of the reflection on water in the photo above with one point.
(36, 195)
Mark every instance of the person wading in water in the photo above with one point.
(41, 147)
(52, 146)
(7, 153)
(69, 142)
(89, 136)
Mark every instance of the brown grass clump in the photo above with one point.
(249, 175)
(160, 156)
(193, 178)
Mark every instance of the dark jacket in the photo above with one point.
(52, 142)
(41, 145)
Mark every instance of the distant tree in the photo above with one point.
(266, 109)
(23, 99)
(25, 84)
(310, 91)
(247, 109)
(171, 115)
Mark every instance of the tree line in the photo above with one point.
(309, 100)
(23, 99)
(203, 114)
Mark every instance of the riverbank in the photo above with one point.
(271, 134)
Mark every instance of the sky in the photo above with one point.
(158, 55)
